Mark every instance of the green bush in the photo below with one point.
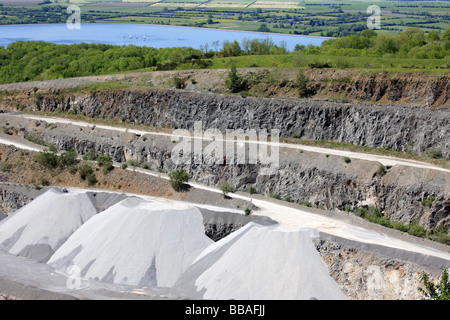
(226, 188)
(178, 82)
(90, 155)
(381, 171)
(133, 163)
(67, 159)
(105, 162)
(305, 203)
(247, 211)
(434, 153)
(48, 160)
(91, 179)
(178, 179)
(427, 202)
(38, 141)
(44, 182)
(434, 291)
(302, 84)
(399, 226)
(84, 170)
(275, 196)
(416, 230)
(72, 169)
(347, 160)
(234, 82)
(251, 190)
(288, 199)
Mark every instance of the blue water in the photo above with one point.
(140, 35)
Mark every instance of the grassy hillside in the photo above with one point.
(411, 50)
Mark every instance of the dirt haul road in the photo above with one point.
(384, 160)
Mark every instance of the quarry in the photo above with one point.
(288, 234)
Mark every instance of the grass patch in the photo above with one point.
(364, 149)
(375, 215)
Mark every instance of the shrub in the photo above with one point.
(400, 226)
(305, 203)
(235, 83)
(434, 153)
(302, 84)
(133, 163)
(381, 171)
(178, 82)
(251, 190)
(47, 159)
(226, 188)
(90, 155)
(5, 167)
(428, 201)
(247, 211)
(73, 169)
(38, 141)
(432, 291)
(9, 130)
(105, 162)
(440, 235)
(84, 170)
(44, 182)
(320, 65)
(375, 215)
(288, 199)
(275, 196)
(91, 179)
(178, 179)
(347, 160)
(416, 230)
(124, 166)
(67, 159)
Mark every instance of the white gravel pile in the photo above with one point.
(261, 263)
(38, 229)
(135, 242)
(163, 244)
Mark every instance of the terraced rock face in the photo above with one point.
(324, 181)
(395, 127)
(398, 127)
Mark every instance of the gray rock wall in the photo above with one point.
(404, 127)
(326, 182)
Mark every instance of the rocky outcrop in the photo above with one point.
(397, 127)
(14, 197)
(220, 224)
(364, 274)
(325, 181)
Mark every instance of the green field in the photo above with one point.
(317, 17)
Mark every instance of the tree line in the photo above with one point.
(37, 60)
(410, 43)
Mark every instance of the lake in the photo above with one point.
(141, 35)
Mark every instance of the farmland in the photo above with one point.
(314, 18)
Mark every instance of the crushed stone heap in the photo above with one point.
(135, 242)
(38, 229)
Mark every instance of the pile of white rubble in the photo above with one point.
(157, 244)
